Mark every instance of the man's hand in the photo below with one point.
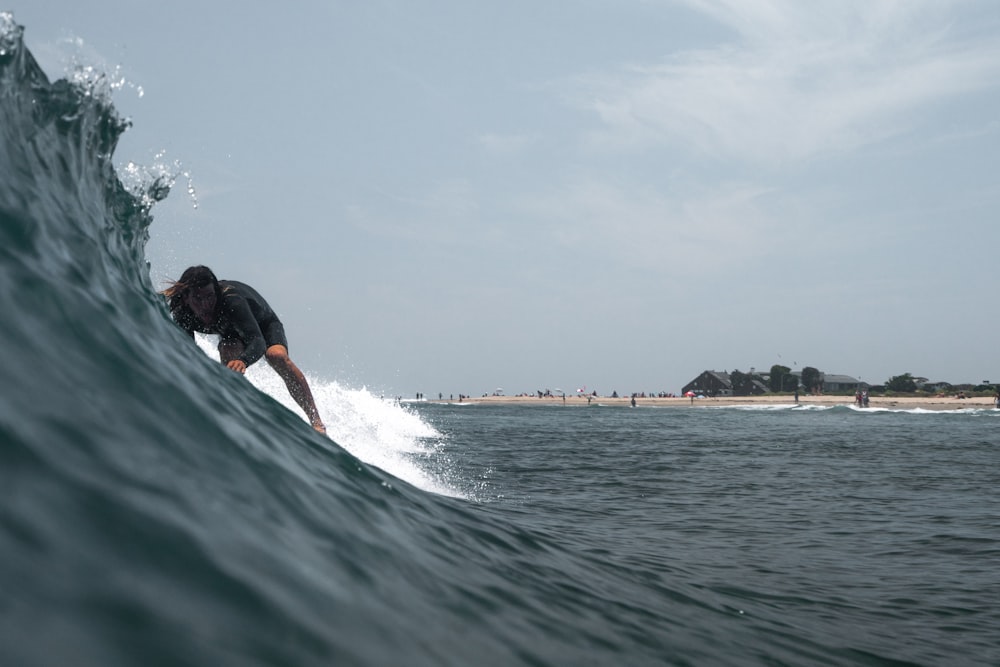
(237, 365)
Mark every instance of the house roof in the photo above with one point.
(721, 378)
(839, 379)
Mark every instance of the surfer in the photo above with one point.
(247, 327)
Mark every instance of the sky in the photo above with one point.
(453, 197)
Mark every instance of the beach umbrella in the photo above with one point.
(689, 394)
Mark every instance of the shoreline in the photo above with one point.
(941, 403)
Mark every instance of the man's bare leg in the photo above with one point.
(277, 357)
(295, 381)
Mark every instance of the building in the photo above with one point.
(836, 383)
(710, 383)
(720, 383)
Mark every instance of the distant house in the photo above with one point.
(835, 383)
(710, 383)
(840, 382)
(720, 383)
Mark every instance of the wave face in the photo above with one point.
(158, 509)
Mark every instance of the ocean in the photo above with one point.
(158, 509)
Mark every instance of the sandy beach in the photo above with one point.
(888, 402)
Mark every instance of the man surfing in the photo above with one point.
(247, 327)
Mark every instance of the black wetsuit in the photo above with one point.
(241, 315)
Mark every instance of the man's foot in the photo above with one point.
(320, 428)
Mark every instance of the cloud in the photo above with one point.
(798, 80)
(673, 234)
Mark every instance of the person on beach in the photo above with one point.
(247, 327)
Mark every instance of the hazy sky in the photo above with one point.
(454, 196)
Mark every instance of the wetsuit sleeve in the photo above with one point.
(245, 325)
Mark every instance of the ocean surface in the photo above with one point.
(157, 509)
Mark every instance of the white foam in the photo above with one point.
(770, 407)
(379, 432)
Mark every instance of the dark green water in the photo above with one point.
(761, 536)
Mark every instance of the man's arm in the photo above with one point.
(247, 329)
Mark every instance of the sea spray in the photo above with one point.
(378, 431)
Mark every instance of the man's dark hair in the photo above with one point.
(194, 277)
